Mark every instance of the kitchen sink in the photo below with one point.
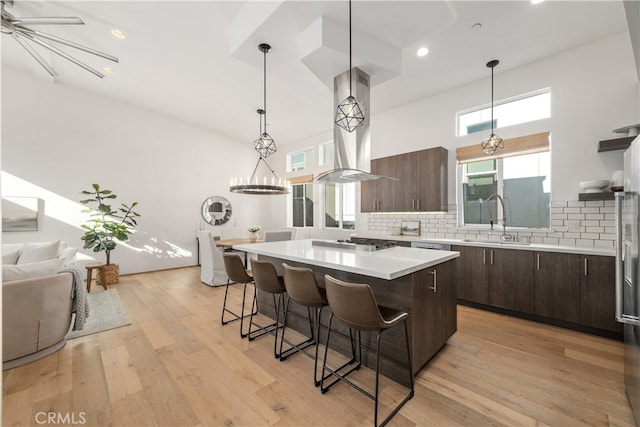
(497, 242)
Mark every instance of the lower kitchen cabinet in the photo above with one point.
(511, 279)
(598, 299)
(497, 277)
(572, 290)
(557, 286)
(434, 292)
(472, 274)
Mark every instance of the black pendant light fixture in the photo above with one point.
(252, 184)
(350, 114)
(494, 143)
(265, 144)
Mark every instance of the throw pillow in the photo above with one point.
(31, 270)
(11, 257)
(68, 255)
(35, 252)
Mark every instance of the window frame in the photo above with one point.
(524, 145)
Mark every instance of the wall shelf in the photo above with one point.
(615, 144)
(605, 195)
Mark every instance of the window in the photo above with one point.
(302, 214)
(325, 154)
(523, 109)
(300, 160)
(340, 205)
(521, 177)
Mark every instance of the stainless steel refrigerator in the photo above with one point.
(627, 273)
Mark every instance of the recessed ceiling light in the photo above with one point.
(476, 26)
(108, 70)
(422, 51)
(118, 34)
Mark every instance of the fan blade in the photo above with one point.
(30, 32)
(45, 20)
(62, 54)
(35, 55)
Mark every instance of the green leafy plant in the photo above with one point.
(254, 229)
(107, 225)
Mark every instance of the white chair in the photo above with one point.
(278, 235)
(212, 271)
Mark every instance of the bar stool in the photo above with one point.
(303, 289)
(236, 273)
(267, 280)
(369, 316)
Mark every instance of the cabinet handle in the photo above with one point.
(484, 256)
(538, 261)
(413, 204)
(586, 269)
(491, 256)
(418, 200)
(434, 288)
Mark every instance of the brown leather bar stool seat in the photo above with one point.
(236, 273)
(355, 305)
(303, 289)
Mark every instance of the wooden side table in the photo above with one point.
(90, 268)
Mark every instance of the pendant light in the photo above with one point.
(252, 184)
(349, 115)
(494, 143)
(265, 144)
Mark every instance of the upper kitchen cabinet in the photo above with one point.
(379, 195)
(421, 184)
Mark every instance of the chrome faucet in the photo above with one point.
(504, 216)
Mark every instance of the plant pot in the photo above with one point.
(253, 236)
(108, 275)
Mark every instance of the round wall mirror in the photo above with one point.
(216, 210)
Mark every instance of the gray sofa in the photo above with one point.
(36, 316)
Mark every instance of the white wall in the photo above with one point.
(594, 89)
(57, 141)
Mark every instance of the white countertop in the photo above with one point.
(389, 263)
(495, 244)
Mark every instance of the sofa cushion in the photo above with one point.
(68, 255)
(10, 257)
(31, 270)
(35, 252)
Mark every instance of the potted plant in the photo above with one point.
(253, 232)
(106, 227)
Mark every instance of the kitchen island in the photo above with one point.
(418, 281)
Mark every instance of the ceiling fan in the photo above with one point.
(19, 30)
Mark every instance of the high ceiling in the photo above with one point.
(199, 61)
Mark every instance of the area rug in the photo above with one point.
(105, 312)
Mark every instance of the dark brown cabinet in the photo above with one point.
(497, 277)
(511, 279)
(572, 288)
(379, 195)
(557, 286)
(597, 286)
(472, 274)
(435, 305)
(421, 184)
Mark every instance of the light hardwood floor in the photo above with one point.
(177, 366)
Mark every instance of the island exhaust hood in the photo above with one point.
(352, 150)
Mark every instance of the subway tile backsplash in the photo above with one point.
(573, 223)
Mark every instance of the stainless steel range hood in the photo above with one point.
(352, 150)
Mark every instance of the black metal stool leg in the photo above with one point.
(302, 345)
(336, 372)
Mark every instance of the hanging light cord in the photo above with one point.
(265, 89)
(350, 48)
(492, 100)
